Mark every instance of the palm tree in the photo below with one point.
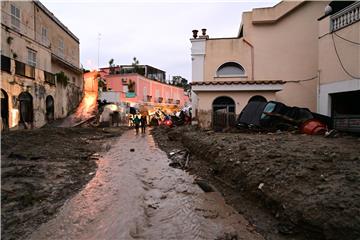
(135, 65)
(112, 66)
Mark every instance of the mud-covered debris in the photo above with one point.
(132, 150)
(204, 185)
(40, 169)
(179, 158)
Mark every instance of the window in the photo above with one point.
(15, 17)
(31, 57)
(230, 69)
(19, 68)
(44, 36)
(157, 93)
(145, 94)
(49, 78)
(61, 47)
(24, 70)
(5, 64)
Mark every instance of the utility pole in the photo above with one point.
(99, 38)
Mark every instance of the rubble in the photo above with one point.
(291, 186)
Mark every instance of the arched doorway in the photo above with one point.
(4, 110)
(49, 108)
(257, 98)
(223, 113)
(26, 109)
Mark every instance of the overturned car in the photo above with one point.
(277, 116)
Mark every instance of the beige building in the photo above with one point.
(339, 65)
(277, 55)
(40, 75)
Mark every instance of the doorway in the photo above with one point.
(4, 110)
(223, 114)
(49, 108)
(26, 109)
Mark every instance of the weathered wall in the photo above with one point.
(15, 44)
(14, 85)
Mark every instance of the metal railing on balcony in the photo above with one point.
(345, 17)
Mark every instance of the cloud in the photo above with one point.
(156, 32)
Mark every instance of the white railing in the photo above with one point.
(345, 17)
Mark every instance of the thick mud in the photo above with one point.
(290, 186)
(42, 168)
(136, 195)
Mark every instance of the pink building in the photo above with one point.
(135, 89)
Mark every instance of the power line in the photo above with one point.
(338, 57)
(304, 80)
(350, 41)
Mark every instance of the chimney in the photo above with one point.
(203, 31)
(204, 36)
(195, 32)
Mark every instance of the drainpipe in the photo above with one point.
(252, 58)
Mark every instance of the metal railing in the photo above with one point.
(345, 17)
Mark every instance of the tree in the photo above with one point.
(112, 66)
(135, 65)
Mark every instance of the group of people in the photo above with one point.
(140, 122)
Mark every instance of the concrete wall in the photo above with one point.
(335, 78)
(220, 51)
(206, 99)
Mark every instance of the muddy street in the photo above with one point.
(136, 195)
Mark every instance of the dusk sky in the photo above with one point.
(156, 32)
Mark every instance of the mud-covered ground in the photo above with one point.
(290, 186)
(42, 168)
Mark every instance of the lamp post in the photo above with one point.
(99, 38)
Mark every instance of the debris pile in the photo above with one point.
(308, 184)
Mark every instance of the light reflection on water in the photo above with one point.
(137, 195)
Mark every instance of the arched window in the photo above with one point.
(230, 69)
(257, 98)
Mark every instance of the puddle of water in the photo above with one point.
(136, 195)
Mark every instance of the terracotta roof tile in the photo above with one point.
(250, 82)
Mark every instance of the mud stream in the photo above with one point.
(136, 195)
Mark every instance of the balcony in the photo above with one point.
(345, 17)
(130, 95)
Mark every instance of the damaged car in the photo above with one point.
(274, 115)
